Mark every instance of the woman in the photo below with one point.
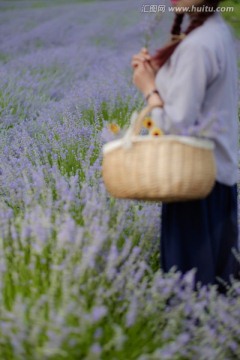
(192, 76)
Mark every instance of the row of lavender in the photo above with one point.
(79, 270)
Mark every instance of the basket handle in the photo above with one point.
(136, 122)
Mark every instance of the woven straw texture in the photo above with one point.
(159, 170)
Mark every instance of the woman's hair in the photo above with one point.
(163, 54)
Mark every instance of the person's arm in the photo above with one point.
(144, 79)
(191, 72)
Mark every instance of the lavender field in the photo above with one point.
(79, 270)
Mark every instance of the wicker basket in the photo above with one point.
(166, 168)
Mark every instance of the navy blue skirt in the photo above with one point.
(201, 234)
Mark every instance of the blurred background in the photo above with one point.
(79, 270)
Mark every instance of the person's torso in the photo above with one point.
(221, 96)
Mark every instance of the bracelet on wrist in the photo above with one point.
(155, 91)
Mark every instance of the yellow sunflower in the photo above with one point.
(148, 123)
(156, 131)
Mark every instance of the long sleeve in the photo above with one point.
(192, 68)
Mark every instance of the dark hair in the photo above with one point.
(163, 54)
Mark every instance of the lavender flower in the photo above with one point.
(79, 270)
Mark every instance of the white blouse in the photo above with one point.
(199, 87)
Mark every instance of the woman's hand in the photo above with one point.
(143, 55)
(144, 77)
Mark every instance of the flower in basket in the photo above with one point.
(114, 128)
(110, 132)
(156, 131)
(148, 123)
